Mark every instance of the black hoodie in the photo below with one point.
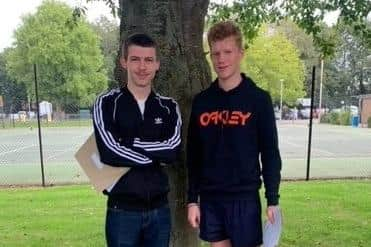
(228, 130)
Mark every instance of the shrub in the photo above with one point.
(345, 118)
(334, 118)
(369, 122)
(325, 118)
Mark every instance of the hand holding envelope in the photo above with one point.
(272, 231)
(101, 176)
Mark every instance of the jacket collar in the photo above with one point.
(245, 83)
(125, 90)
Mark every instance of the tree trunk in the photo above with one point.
(177, 26)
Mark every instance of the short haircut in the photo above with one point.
(139, 39)
(223, 30)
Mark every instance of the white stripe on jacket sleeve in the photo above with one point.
(107, 137)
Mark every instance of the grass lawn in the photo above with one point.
(326, 213)
(56, 172)
(55, 216)
(317, 213)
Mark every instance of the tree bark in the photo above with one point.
(177, 26)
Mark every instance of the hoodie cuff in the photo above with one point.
(192, 199)
(272, 200)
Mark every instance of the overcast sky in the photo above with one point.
(12, 10)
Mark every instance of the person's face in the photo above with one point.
(226, 57)
(141, 65)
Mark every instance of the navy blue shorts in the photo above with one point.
(236, 220)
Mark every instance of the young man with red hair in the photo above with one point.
(232, 125)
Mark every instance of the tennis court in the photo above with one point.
(20, 155)
(337, 151)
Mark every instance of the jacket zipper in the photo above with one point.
(146, 171)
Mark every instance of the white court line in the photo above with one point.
(328, 158)
(30, 146)
(304, 147)
(323, 151)
(56, 155)
(291, 143)
(350, 132)
(63, 150)
(17, 149)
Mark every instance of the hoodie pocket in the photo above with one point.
(249, 170)
(220, 171)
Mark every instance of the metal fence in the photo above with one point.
(336, 152)
(20, 150)
(339, 148)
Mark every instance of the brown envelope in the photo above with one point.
(101, 176)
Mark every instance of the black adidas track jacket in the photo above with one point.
(127, 138)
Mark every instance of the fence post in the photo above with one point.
(310, 123)
(39, 127)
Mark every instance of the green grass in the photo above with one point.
(317, 213)
(56, 172)
(56, 216)
(327, 213)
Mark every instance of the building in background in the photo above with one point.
(365, 109)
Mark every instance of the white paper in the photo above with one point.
(96, 160)
(272, 232)
(100, 175)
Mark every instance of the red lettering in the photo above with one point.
(234, 119)
(244, 117)
(224, 117)
(214, 117)
(204, 119)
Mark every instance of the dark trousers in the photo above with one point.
(138, 228)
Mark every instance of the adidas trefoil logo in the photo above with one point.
(158, 120)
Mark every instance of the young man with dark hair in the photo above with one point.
(232, 124)
(137, 128)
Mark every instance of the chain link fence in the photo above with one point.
(340, 140)
(340, 147)
(63, 129)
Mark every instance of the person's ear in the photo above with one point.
(123, 62)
